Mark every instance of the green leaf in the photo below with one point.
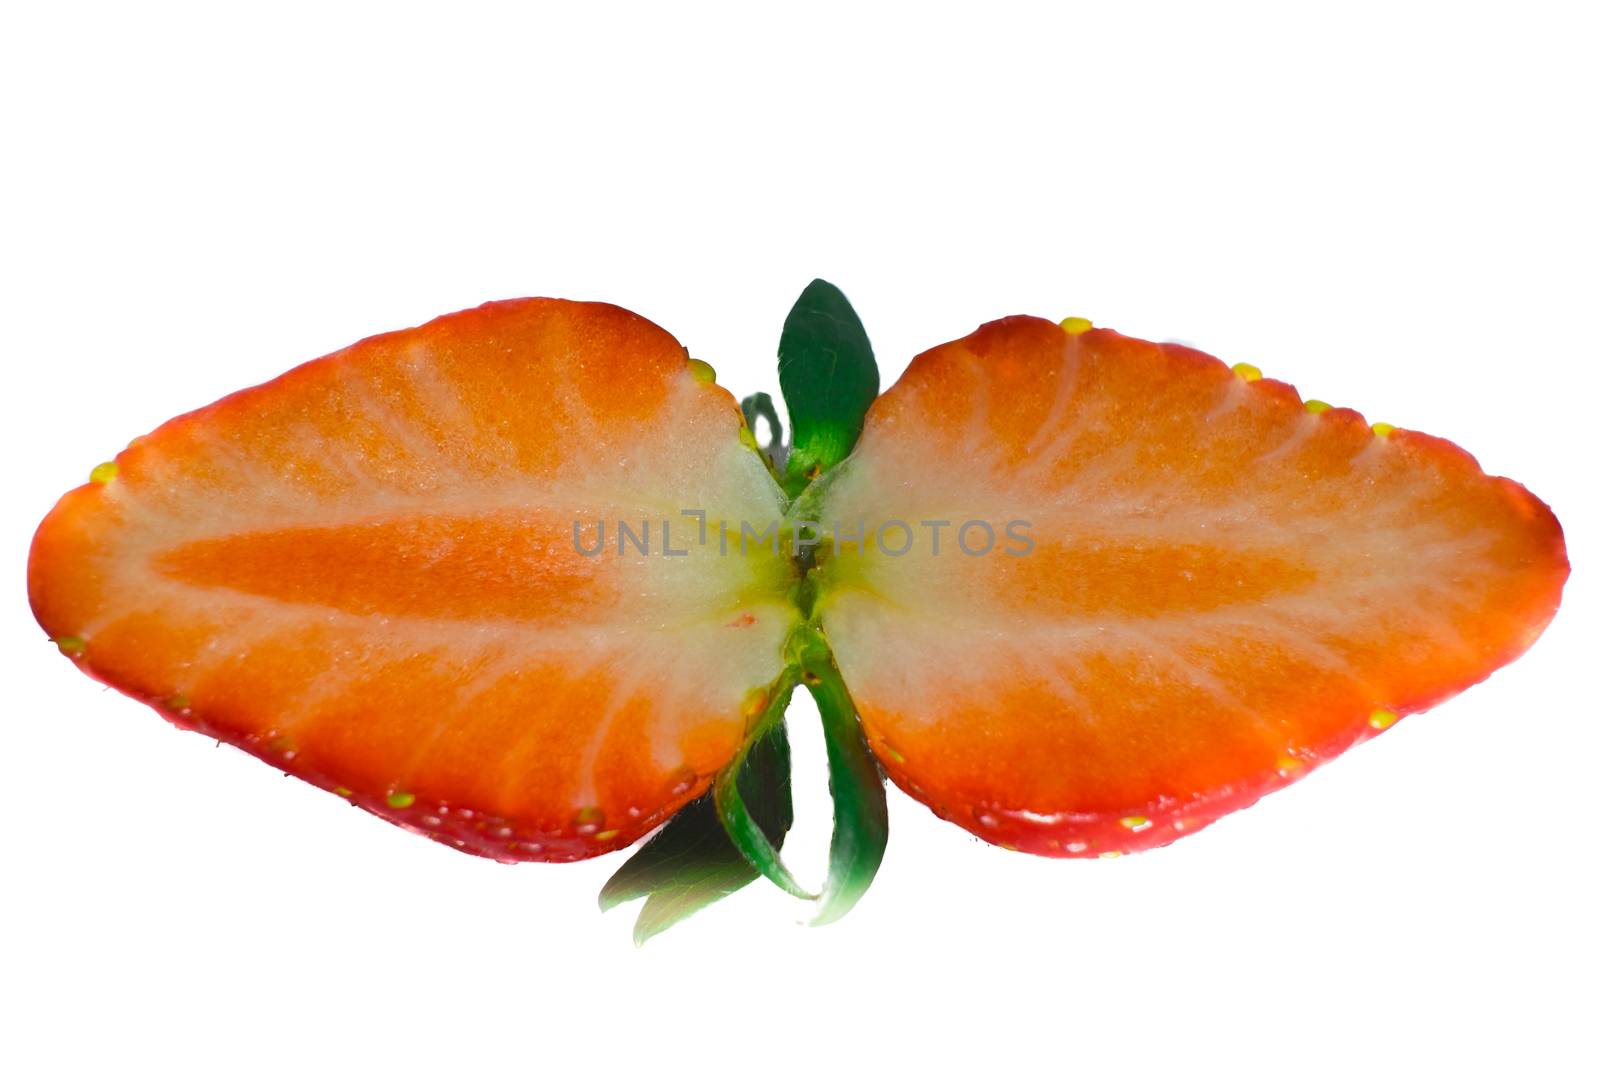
(860, 808)
(691, 863)
(829, 380)
(745, 831)
(759, 406)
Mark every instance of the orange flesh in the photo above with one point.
(364, 572)
(1224, 589)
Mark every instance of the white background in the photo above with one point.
(1393, 208)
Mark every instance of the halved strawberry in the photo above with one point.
(365, 573)
(1190, 589)
(1084, 594)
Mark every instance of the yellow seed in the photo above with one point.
(1317, 407)
(701, 371)
(1109, 855)
(1248, 371)
(70, 645)
(606, 835)
(1288, 765)
(1073, 324)
(1382, 429)
(103, 473)
(1382, 719)
(342, 791)
(1134, 822)
(748, 439)
(400, 800)
(892, 754)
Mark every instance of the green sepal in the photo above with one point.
(860, 807)
(743, 829)
(829, 379)
(691, 863)
(759, 406)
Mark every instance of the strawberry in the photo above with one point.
(364, 573)
(1222, 587)
(1078, 593)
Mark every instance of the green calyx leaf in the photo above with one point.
(692, 863)
(758, 407)
(860, 808)
(743, 829)
(829, 379)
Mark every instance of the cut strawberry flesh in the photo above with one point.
(1223, 588)
(365, 573)
(1161, 588)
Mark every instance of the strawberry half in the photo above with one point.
(365, 573)
(1210, 587)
